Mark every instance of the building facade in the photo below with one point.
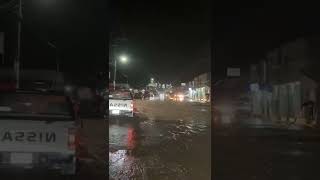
(286, 70)
(200, 88)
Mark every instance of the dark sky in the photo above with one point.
(77, 27)
(246, 30)
(168, 40)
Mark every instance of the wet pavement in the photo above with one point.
(249, 148)
(175, 144)
(255, 148)
(265, 153)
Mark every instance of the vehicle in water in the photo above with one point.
(121, 103)
(38, 131)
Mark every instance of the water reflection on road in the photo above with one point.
(155, 149)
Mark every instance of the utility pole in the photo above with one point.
(17, 60)
(2, 44)
(115, 74)
(112, 56)
(57, 56)
(57, 61)
(114, 53)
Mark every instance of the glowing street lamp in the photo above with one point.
(123, 59)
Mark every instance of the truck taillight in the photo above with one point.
(71, 139)
(131, 105)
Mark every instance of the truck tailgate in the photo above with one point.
(115, 104)
(34, 136)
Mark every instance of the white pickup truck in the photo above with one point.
(37, 131)
(121, 103)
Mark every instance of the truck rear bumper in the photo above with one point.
(63, 164)
(121, 113)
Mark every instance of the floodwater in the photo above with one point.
(141, 148)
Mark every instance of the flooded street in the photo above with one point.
(253, 148)
(175, 144)
(268, 153)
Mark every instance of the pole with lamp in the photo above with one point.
(19, 32)
(122, 59)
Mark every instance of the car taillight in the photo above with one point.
(131, 105)
(71, 139)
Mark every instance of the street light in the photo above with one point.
(123, 59)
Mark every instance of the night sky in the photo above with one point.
(167, 40)
(77, 27)
(246, 31)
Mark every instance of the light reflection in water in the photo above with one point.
(146, 147)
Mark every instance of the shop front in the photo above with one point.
(201, 94)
